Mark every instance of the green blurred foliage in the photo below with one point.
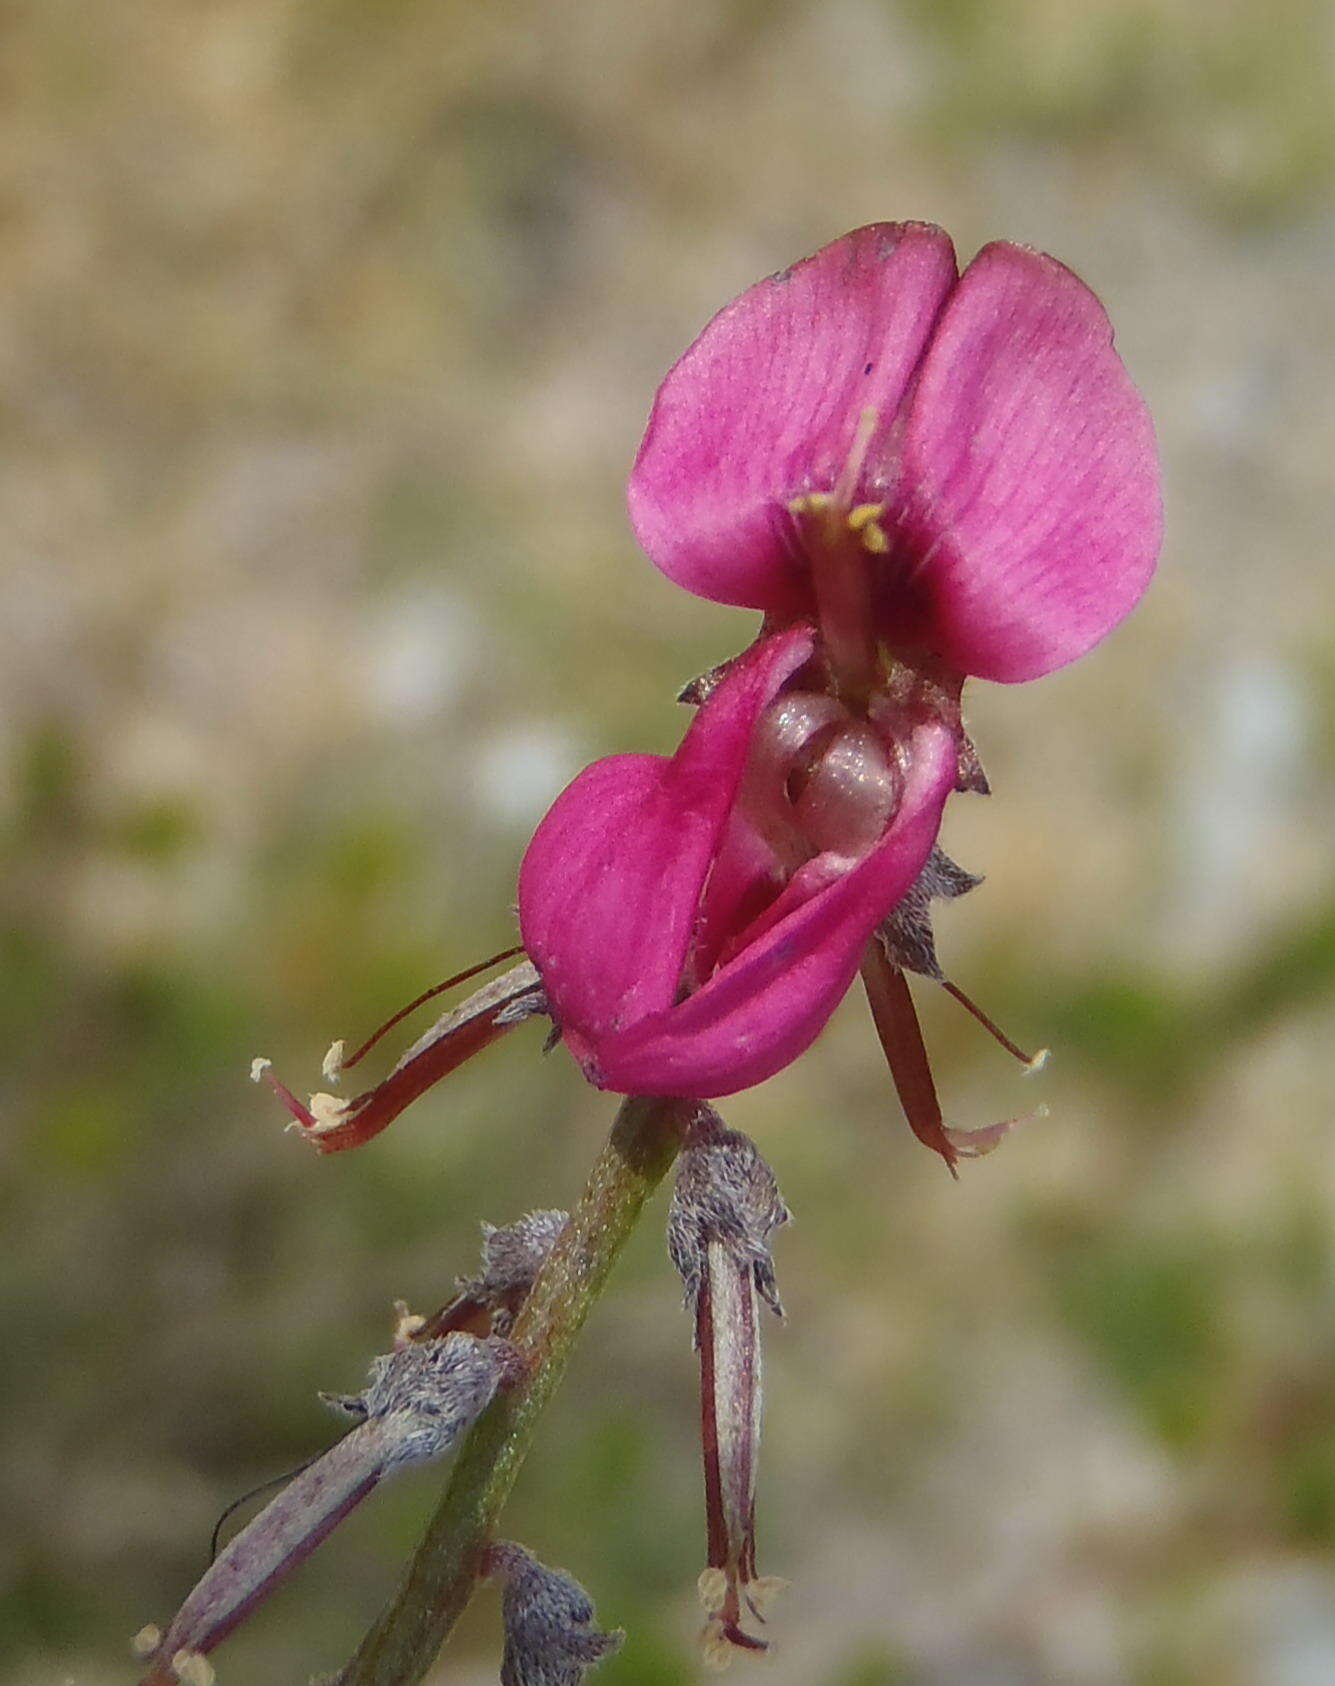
(330, 332)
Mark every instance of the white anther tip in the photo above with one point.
(328, 1111)
(332, 1068)
(407, 1324)
(258, 1067)
(192, 1668)
(1038, 1063)
(146, 1641)
(712, 1588)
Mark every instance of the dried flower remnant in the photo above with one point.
(332, 1123)
(550, 1639)
(511, 1260)
(725, 1205)
(417, 1403)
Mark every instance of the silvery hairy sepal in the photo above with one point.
(550, 1639)
(489, 1302)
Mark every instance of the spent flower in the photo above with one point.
(417, 1403)
(511, 1260)
(725, 1204)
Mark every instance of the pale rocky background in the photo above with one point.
(327, 333)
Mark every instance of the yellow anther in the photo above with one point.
(863, 513)
(874, 539)
(810, 503)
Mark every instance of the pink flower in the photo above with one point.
(918, 477)
(959, 462)
(692, 933)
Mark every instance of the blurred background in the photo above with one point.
(328, 331)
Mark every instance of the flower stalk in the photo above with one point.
(439, 1582)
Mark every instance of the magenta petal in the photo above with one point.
(762, 1009)
(1033, 482)
(744, 878)
(764, 405)
(611, 883)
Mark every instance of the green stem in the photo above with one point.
(402, 1645)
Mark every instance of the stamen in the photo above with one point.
(762, 1591)
(301, 1114)
(974, 1144)
(331, 1111)
(147, 1640)
(1032, 1062)
(901, 1037)
(422, 999)
(811, 503)
(331, 1123)
(408, 1324)
(836, 548)
(712, 1587)
(847, 484)
(865, 522)
(331, 1067)
(192, 1668)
